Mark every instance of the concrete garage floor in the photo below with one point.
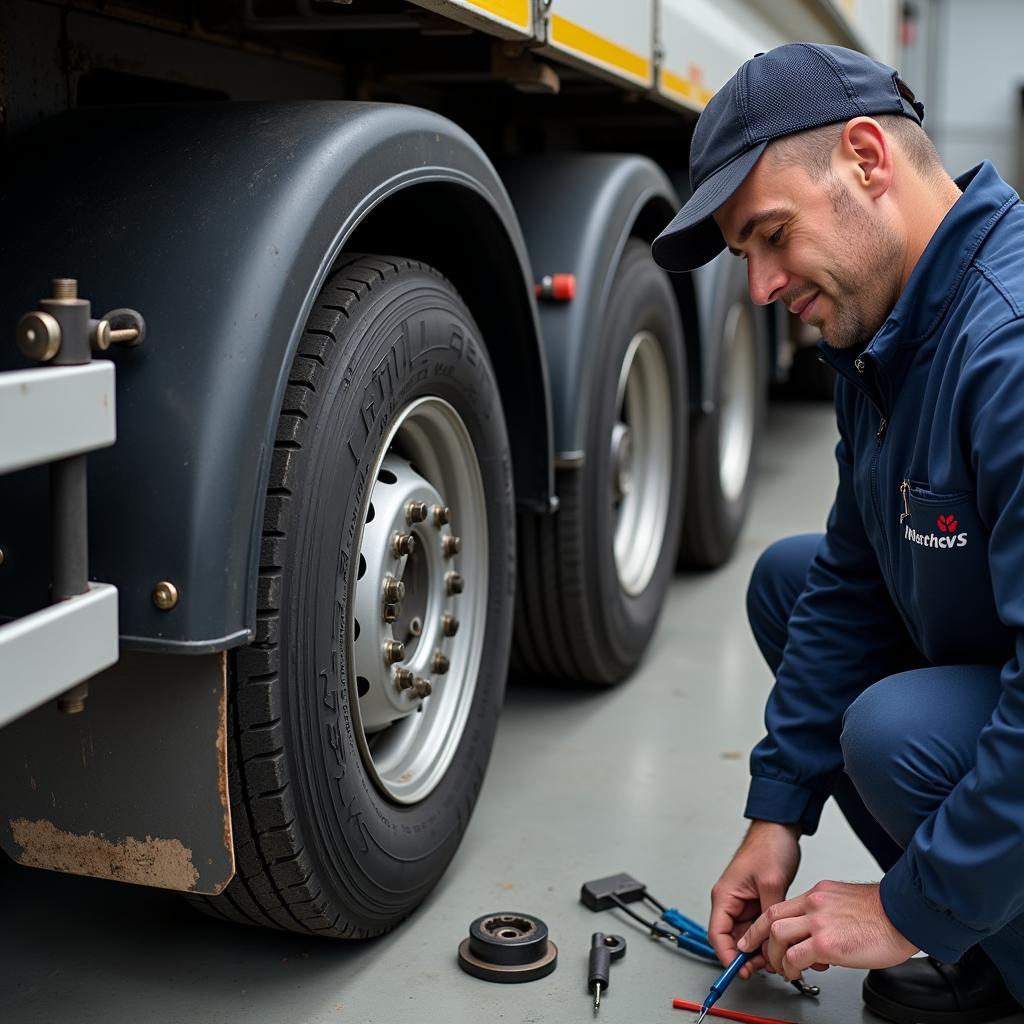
(648, 778)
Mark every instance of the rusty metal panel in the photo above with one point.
(134, 788)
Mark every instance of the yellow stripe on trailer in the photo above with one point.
(684, 89)
(515, 11)
(563, 32)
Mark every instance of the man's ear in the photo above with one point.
(866, 154)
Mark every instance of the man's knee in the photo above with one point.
(895, 754)
(871, 735)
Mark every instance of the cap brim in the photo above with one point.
(693, 238)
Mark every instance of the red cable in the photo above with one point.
(745, 1018)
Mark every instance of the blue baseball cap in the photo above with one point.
(786, 90)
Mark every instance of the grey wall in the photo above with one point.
(968, 65)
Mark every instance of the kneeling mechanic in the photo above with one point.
(897, 637)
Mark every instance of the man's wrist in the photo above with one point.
(759, 825)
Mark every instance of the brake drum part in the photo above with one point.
(508, 948)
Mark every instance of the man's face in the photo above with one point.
(821, 250)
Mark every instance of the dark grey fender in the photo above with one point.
(219, 222)
(577, 212)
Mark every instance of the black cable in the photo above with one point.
(648, 896)
(655, 928)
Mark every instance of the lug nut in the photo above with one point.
(403, 679)
(391, 612)
(442, 514)
(423, 687)
(449, 625)
(394, 650)
(440, 664)
(450, 545)
(454, 582)
(415, 511)
(394, 590)
(402, 544)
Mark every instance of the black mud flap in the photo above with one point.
(133, 788)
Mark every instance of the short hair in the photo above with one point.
(812, 149)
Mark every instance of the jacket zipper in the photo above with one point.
(905, 494)
(877, 502)
(861, 366)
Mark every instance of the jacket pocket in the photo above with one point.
(945, 573)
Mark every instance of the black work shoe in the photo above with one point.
(926, 991)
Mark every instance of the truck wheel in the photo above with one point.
(592, 577)
(723, 443)
(361, 720)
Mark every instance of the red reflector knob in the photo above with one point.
(557, 287)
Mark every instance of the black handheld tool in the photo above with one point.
(603, 950)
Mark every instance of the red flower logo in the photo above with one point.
(947, 524)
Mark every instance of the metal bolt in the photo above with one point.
(72, 702)
(415, 511)
(38, 336)
(402, 544)
(454, 582)
(450, 545)
(3, 556)
(403, 679)
(103, 335)
(165, 595)
(394, 650)
(423, 687)
(449, 625)
(440, 664)
(394, 590)
(391, 612)
(442, 514)
(65, 288)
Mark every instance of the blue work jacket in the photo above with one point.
(926, 540)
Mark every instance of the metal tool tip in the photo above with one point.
(703, 1014)
(597, 997)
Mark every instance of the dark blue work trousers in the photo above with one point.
(907, 739)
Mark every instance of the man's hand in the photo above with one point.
(758, 876)
(835, 923)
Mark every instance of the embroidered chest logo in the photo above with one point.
(947, 524)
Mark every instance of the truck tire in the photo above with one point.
(593, 576)
(724, 442)
(351, 783)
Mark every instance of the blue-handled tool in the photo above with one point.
(721, 983)
(620, 890)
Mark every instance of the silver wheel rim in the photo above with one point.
(739, 399)
(641, 460)
(409, 726)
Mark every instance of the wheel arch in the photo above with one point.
(233, 218)
(483, 263)
(577, 212)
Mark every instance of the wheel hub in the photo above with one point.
(622, 459)
(402, 596)
(418, 611)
